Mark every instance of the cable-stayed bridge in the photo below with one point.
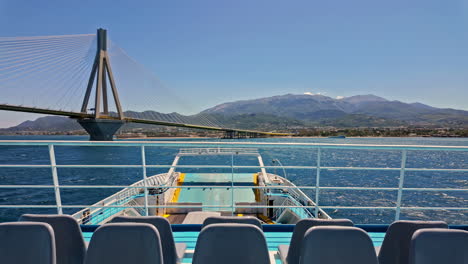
(72, 76)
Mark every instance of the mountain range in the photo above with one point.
(320, 110)
(292, 111)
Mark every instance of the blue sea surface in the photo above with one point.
(116, 155)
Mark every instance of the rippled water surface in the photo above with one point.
(287, 156)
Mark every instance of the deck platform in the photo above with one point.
(216, 196)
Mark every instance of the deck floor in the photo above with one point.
(216, 196)
(176, 218)
(179, 218)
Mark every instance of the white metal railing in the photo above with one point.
(288, 203)
(218, 146)
(123, 196)
(218, 151)
(298, 195)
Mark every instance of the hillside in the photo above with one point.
(288, 112)
(319, 109)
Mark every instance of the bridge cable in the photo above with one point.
(116, 51)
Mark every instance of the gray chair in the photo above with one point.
(123, 243)
(290, 253)
(435, 246)
(69, 242)
(173, 252)
(337, 244)
(232, 220)
(27, 243)
(231, 244)
(396, 244)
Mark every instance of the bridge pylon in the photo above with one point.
(100, 128)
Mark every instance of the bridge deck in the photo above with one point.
(79, 115)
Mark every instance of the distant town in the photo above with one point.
(169, 132)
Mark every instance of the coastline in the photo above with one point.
(162, 137)
(206, 137)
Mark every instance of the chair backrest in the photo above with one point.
(301, 228)
(232, 220)
(231, 244)
(337, 244)
(396, 244)
(69, 242)
(434, 246)
(123, 243)
(27, 243)
(165, 232)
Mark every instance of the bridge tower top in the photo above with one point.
(102, 69)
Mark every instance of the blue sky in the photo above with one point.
(212, 51)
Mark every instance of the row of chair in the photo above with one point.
(405, 242)
(51, 239)
(58, 239)
(70, 247)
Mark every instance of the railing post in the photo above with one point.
(317, 183)
(53, 167)
(232, 184)
(143, 163)
(400, 184)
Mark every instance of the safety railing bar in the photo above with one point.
(440, 170)
(145, 178)
(435, 208)
(236, 187)
(219, 154)
(317, 183)
(53, 167)
(232, 185)
(24, 166)
(190, 206)
(222, 144)
(93, 166)
(142, 206)
(436, 189)
(26, 186)
(265, 167)
(217, 150)
(30, 206)
(242, 206)
(277, 187)
(360, 207)
(225, 167)
(401, 180)
(389, 189)
(394, 208)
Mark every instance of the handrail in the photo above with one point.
(123, 196)
(296, 192)
(299, 195)
(215, 144)
(226, 167)
(218, 151)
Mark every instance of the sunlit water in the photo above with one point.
(287, 156)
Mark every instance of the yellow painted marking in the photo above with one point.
(265, 219)
(180, 182)
(256, 191)
(240, 214)
(166, 215)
